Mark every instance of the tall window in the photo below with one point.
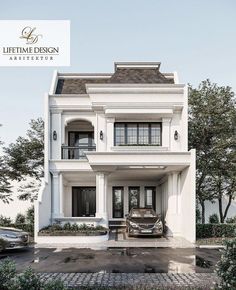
(138, 134)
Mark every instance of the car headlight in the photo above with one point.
(158, 225)
(9, 236)
(134, 225)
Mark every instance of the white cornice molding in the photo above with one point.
(54, 82)
(135, 88)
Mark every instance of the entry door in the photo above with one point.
(118, 202)
(83, 201)
(150, 197)
(134, 193)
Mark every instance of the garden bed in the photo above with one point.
(72, 230)
(71, 233)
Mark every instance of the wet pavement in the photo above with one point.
(116, 260)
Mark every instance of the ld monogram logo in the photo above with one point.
(29, 36)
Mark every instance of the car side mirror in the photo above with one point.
(126, 215)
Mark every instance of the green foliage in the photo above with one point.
(30, 215)
(215, 231)
(25, 156)
(231, 220)
(83, 228)
(20, 219)
(5, 221)
(7, 273)
(28, 280)
(5, 186)
(67, 227)
(226, 267)
(212, 118)
(213, 219)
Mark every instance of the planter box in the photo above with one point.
(72, 234)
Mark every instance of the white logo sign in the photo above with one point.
(34, 42)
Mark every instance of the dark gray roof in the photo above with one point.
(139, 76)
(76, 85)
(121, 76)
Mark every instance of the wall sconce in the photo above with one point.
(101, 135)
(54, 135)
(176, 135)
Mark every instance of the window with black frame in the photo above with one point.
(133, 133)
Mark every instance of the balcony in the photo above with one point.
(76, 152)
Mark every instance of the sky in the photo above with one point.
(196, 38)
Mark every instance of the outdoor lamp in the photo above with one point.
(101, 135)
(176, 135)
(54, 135)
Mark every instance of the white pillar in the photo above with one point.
(101, 196)
(173, 216)
(166, 132)
(57, 195)
(110, 133)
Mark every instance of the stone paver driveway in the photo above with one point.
(134, 280)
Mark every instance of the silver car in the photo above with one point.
(13, 238)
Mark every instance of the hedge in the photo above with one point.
(215, 231)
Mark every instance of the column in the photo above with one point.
(57, 195)
(173, 217)
(101, 195)
(166, 132)
(110, 133)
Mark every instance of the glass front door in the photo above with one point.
(118, 202)
(83, 201)
(150, 197)
(134, 193)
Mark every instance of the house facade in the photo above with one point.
(117, 141)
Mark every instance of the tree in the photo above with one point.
(25, 159)
(212, 119)
(5, 186)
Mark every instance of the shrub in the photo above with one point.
(213, 219)
(215, 231)
(231, 220)
(20, 219)
(74, 227)
(226, 267)
(5, 221)
(30, 215)
(28, 280)
(7, 273)
(67, 227)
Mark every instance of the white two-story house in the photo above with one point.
(115, 141)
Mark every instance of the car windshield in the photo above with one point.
(144, 212)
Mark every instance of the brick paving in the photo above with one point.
(134, 280)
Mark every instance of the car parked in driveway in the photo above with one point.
(143, 221)
(13, 238)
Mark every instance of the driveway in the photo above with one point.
(116, 260)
